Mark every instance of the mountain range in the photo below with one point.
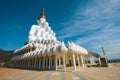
(6, 56)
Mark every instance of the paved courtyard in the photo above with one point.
(110, 73)
(20, 74)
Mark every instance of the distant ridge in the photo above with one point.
(5, 56)
(114, 60)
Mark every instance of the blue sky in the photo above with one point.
(89, 23)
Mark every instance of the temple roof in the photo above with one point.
(90, 53)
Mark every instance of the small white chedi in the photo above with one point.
(44, 52)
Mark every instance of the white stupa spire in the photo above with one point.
(41, 18)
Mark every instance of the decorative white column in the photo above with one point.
(78, 61)
(55, 62)
(35, 62)
(39, 63)
(99, 61)
(28, 63)
(74, 61)
(64, 62)
(47, 66)
(82, 61)
(49, 62)
(43, 62)
(32, 63)
(17, 63)
(87, 60)
(23, 63)
(92, 60)
(59, 62)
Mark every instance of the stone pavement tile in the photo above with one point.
(11, 76)
(23, 75)
(42, 76)
(54, 75)
(69, 76)
(83, 76)
(77, 76)
(6, 73)
(33, 76)
(62, 76)
(48, 76)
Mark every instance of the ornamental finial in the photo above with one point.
(42, 15)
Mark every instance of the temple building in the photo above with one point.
(44, 52)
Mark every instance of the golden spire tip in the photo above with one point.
(42, 14)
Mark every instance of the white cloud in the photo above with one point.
(98, 21)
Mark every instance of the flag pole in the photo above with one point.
(104, 53)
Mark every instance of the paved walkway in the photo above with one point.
(20, 74)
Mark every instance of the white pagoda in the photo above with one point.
(44, 52)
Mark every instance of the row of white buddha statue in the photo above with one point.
(51, 50)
